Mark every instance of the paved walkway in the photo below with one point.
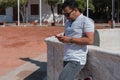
(33, 69)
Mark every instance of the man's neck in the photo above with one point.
(78, 14)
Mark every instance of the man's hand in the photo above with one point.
(64, 39)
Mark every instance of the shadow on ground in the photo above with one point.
(39, 74)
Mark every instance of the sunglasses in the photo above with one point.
(68, 14)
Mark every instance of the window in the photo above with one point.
(34, 9)
(2, 11)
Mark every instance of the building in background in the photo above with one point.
(32, 12)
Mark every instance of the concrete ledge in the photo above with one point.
(102, 50)
(103, 57)
(102, 64)
(33, 69)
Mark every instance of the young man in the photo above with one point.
(79, 32)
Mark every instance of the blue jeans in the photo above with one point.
(71, 70)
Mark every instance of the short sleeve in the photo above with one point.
(88, 25)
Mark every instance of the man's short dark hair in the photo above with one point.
(70, 3)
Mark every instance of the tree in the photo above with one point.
(83, 5)
(13, 3)
(53, 4)
(102, 9)
(102, 3)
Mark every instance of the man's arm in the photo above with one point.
(88, 39)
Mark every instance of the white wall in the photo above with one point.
(45, 9)
(108, 38)
(9, 12)
(103, 58)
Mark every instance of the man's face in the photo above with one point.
(69, 13)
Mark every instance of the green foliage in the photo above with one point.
(11, 3)
(53, 1)
(83, 4)
(14, 3)
(102, 3)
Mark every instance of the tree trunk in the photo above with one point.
(23, 13)
(52, 9)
